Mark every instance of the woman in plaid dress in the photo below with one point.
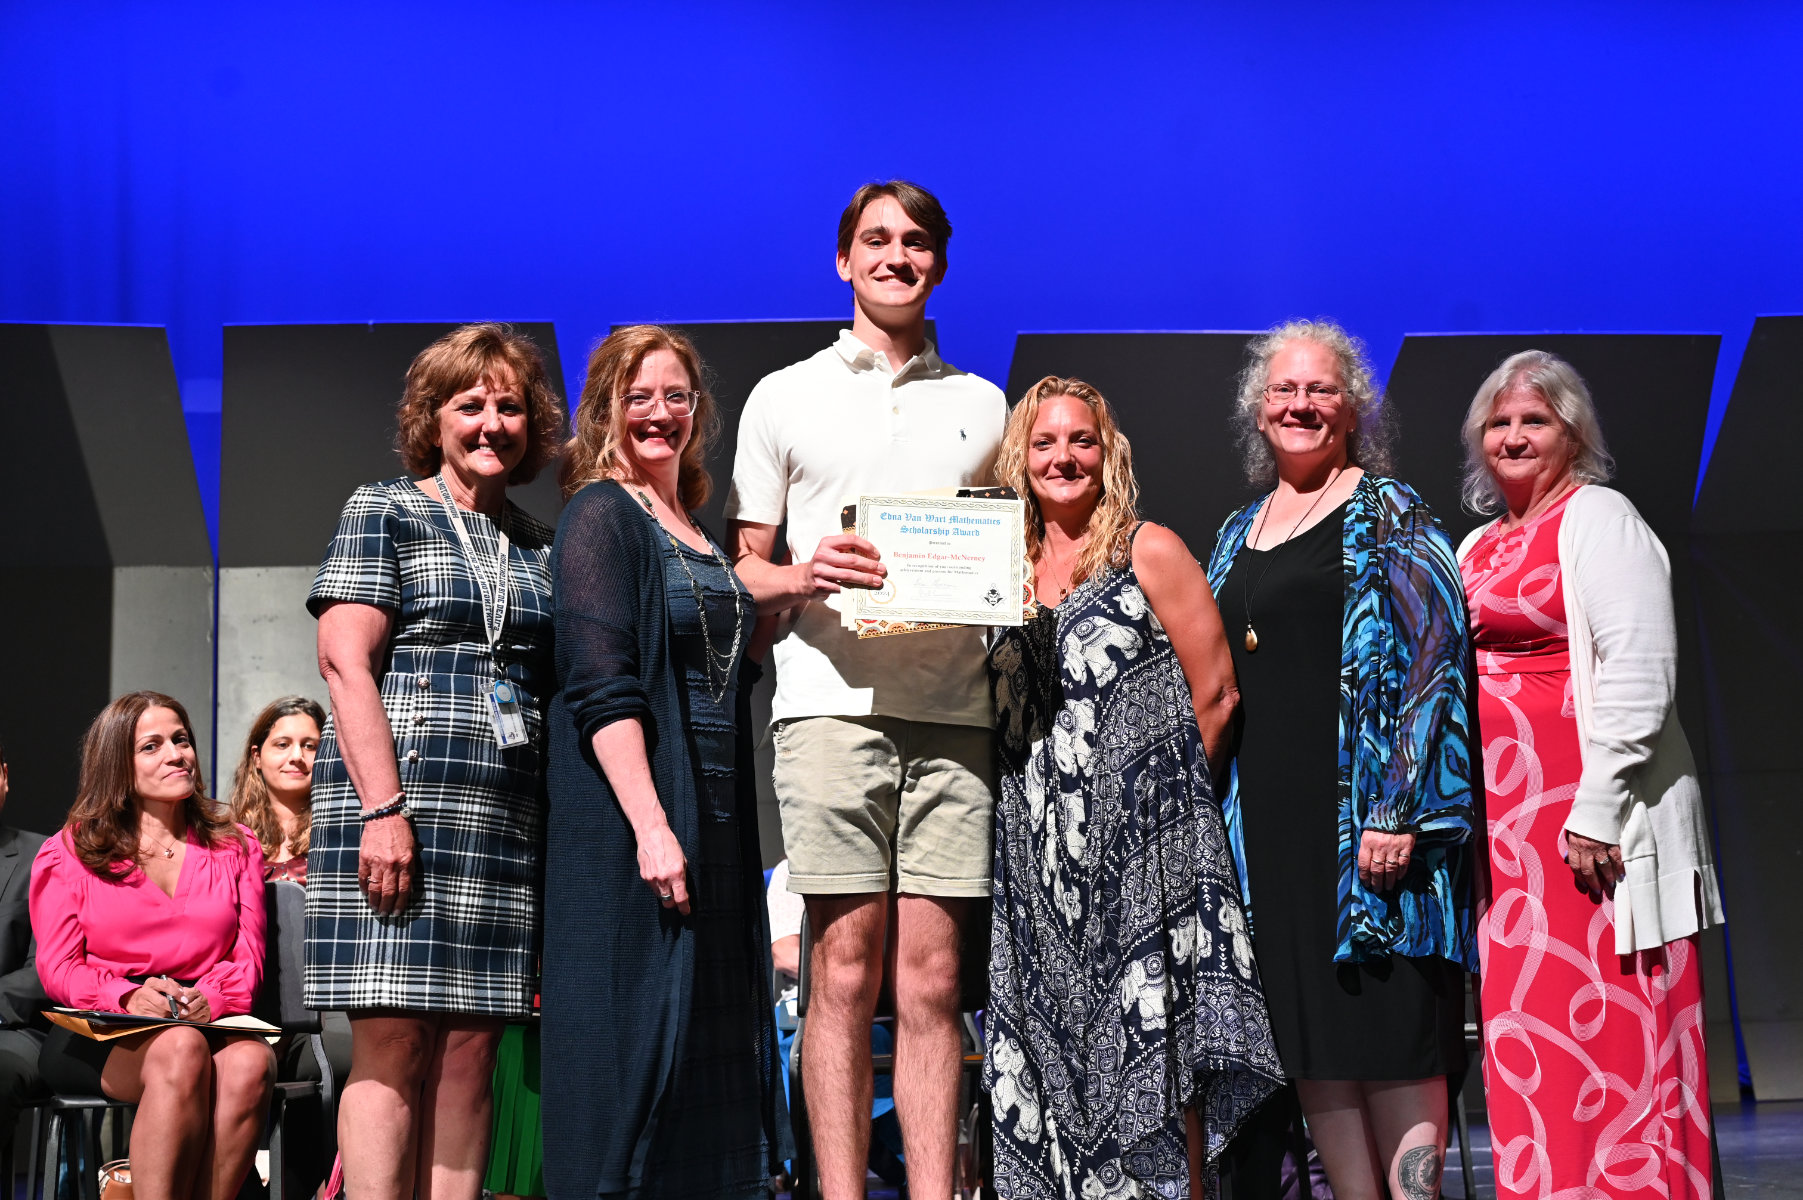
(422, 897)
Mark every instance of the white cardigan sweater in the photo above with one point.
(1639, 787)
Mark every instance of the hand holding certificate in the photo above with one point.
(951, 560)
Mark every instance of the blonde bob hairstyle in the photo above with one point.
(1111, 525)
(455, 363)
(595, 451)
(1367, 446)
(1565, 393)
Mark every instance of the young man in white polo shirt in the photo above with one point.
(884, 768)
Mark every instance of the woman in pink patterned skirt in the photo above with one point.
(1600, 866)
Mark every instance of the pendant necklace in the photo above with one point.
(1069, 582)
(166, 851)
(714, 659)
(1251, 592)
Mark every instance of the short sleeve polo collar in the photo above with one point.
(860, 357)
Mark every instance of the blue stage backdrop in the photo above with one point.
(1403, 167)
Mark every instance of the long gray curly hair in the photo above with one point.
(1373, 434)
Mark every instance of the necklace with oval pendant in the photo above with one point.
(1251, 593)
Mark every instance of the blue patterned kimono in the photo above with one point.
(1405, 745)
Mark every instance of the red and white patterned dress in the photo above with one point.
(1593, 1061)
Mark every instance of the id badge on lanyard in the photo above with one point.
(506, 715)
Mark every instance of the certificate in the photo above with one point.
(951, 560)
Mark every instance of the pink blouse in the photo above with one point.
(92, 933)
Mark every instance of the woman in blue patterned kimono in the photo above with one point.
(1350, 804)
(1127, 1033)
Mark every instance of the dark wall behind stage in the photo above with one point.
(1407, 168)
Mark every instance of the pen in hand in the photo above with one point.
(175, 1009)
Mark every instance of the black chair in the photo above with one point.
(279, 1002)
(973, 997)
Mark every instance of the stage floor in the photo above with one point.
(1761, 1150)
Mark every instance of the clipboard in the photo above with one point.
(105, 1026)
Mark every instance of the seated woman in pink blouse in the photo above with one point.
(147, 902)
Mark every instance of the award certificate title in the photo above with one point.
(951, 561)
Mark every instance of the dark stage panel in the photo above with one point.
(106, 575)
(1173, 393)
(1747, 553)
(307, 415)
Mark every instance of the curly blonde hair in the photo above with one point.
(1116, 515)
(250, 792)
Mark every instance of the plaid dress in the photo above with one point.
(468, 941)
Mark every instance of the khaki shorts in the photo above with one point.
(877, 804)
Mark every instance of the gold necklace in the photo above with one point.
(1251, 593)
(167, 851)
(1067, 568)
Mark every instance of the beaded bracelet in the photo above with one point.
(395, 807)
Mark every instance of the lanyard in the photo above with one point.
(493, 622)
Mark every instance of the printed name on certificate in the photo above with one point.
(955, 561)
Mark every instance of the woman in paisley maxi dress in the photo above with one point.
(1128, 1036)
(1592, 987)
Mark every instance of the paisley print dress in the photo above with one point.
(1122, 984)
(1594, 1067)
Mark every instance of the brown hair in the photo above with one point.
(459, 361)
(250, 792)
(922, 207)
(1116, 515)
(103, 821)
(601, 419)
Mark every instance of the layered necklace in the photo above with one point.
(714, 661)
(1251, 591)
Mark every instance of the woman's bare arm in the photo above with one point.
(1185, 605)
(353, 646)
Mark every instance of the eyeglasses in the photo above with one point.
(677, 403)
(1283, 393)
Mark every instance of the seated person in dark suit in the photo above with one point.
(22, 997)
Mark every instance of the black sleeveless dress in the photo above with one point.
(1400, 1019)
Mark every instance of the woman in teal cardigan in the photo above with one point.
(1349, 804)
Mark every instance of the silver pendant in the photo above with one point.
(1251, 639)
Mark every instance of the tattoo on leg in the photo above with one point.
(1419, 1173)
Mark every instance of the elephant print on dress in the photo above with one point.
(1144, 985)
(1012, 1088)
(1086, 649)
(1233, 921)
